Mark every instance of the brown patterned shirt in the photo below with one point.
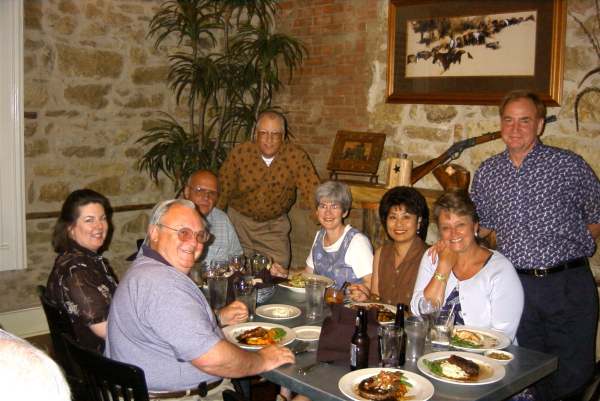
(266, 192)
(82, 283)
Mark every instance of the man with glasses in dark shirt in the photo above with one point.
(543, 203)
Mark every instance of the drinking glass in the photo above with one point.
(428, 310)
(245, 292)
(415, 329)
(260, 262)
(220, 267)
(315, 294)
(390, 341)
(334, 296)
(217, 288)
(442, 329)
(196, 275)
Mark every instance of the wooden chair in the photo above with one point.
(59, 324)
(107, 379)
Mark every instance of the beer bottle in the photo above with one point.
(399, 323)
(359, 346)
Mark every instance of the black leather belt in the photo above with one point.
(543, 272)
(202, 389)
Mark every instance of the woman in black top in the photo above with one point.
(82, 282)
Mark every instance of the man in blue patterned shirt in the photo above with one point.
(543, 203)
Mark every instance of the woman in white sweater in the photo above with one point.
(481, 284)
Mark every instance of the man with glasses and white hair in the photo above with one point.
(202, 188)
(160, 321)
(258, 186)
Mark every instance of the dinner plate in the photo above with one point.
(231, 332)
(278, 311)
(307, 333)
(421, 389)
(389, 307)
(490, 371)
(493, 340)
(329, 282)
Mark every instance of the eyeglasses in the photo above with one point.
(330, 206)
(276, 136)
(208, 193)
(185, 234)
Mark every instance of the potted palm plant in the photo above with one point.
(225, 67)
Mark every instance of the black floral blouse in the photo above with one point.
(82, 283)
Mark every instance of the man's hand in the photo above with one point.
(235, 312)
(274, 356)
(278, 271)
(359, 293)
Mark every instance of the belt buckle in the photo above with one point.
(540, 273)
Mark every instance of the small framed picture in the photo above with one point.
(356, 153)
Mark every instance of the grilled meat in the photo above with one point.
(470, 368)
(256, 332)
(384, 386)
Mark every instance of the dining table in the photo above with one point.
(321, 382)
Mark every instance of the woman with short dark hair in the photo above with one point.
(405, 218)
(82, 282)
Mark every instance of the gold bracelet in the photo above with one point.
(440, 277)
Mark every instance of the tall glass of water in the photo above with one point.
(428, 310)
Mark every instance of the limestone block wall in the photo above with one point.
(342, 85)
(92, 82)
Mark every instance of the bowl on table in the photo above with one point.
(499, 356)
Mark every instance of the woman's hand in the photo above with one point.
(359, 293)
(442, 252)
(235, 312)
(278, 271)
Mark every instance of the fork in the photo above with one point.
(305, 369)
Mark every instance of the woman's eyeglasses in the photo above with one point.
(185, 234)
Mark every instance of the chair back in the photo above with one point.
(58, 323)
(106, 379)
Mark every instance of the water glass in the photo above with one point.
(245, 292)
(315, 294)
(442, 329)
(217, 289)
(415, 329)
(390, 342)
(220, 267)
(196, 275)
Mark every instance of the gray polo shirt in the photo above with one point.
(160, 321)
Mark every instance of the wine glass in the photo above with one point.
(428, 310)
(236, 263)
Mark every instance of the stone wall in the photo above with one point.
(342, 85)
(92, 82)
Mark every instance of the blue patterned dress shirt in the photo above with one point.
(541, 210)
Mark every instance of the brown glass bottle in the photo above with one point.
(399, 323)
(359, 346)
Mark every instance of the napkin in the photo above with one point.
(336, 334)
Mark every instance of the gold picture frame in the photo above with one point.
(525, 38)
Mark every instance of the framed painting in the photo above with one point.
(356, 153)
(473, 52)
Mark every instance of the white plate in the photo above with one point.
(492, 371)
(329, 282)
(500, 340)
(231, 332)
(307, 333)
(389, 307)
(421, 389)
(278, 311)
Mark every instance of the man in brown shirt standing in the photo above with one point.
(258, 184)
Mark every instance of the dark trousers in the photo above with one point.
(560, 318)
